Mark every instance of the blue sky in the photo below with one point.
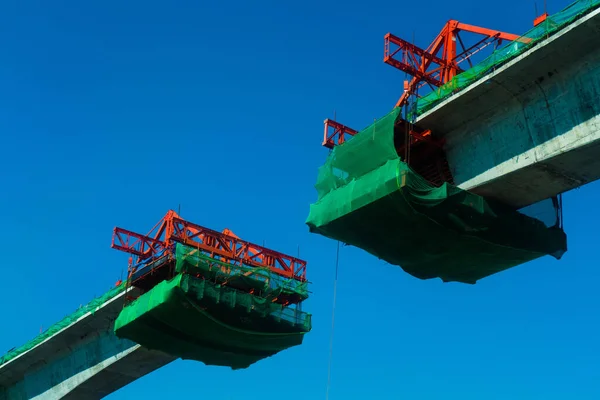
(113, 113)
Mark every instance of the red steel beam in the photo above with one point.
(225, 245)
(234, 249)
(540, 19)
(335, 133)
(413, 60)
(140, 245)
(489, 32)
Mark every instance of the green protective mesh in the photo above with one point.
(551, 25)
(196, 319)
(369, 198)
(91, 307)
(268, 284)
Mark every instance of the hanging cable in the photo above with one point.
(337, 262)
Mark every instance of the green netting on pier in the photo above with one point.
(264, 282)
(90, 307)
(193, 318)
(551, 25)
(369, 198)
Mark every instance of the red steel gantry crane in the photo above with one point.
(157, 249)
(433, 66)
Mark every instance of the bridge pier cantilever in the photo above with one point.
(84, 360)
(530, 129)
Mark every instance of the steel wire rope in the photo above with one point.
(337, 262)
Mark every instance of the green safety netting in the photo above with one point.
(551, 25)
(196, 319)
(266, 283)
(91, 307)
(369, 198)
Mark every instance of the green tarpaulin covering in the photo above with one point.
(263, 281)
(193, 318)
(369, 198)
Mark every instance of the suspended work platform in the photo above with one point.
(369, 198)
(440, 190)
(210, 296)
(192, 293)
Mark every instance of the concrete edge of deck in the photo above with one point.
(509, 64)
(51, 347)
